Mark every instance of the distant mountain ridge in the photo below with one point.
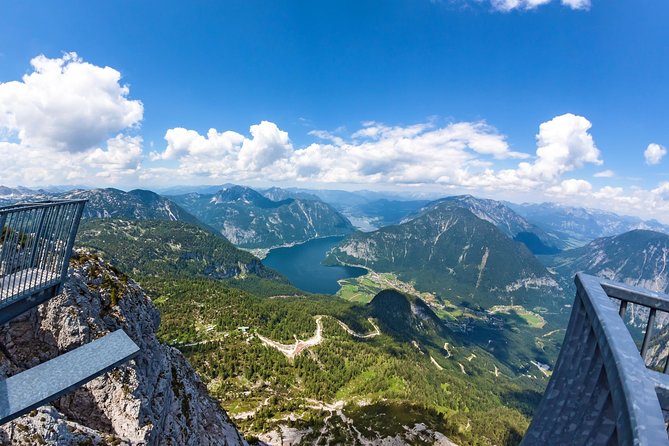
(578, 226)
(251, 220)
(639, 257)
(279, 194)
(136, 204)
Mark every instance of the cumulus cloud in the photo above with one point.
(509, 5)
(122, 155)
(420, 153)
(228, 154)
(67, 120)
(67, 104)
(654, 154)
(570, 187)
(563, 145)
(460, 154)
(268, 145)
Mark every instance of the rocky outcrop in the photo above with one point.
(155, 399)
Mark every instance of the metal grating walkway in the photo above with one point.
(46, 382)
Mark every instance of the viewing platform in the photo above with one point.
(601, 391)
(35, 247)
(36, 241)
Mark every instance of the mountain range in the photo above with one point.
(158, 248)
(136, 204)
(473, 351)
(576, 226)
(449, 250)
(250, 220)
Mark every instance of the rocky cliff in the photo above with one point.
(155, 399)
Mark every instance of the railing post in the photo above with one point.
(72, 235)
(649, 333)
(38, 235)
(3, 220)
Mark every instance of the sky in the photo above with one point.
(526, 100)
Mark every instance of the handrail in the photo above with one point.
(36, 241)
(601, 391)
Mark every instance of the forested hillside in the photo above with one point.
(450, 251)
(305, 364)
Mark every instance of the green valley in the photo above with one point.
(217, 304)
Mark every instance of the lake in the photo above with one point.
(301, 264)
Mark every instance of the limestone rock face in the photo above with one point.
(155, 399)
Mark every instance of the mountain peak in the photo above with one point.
(404, 315)
(137, 204)
(450, 250)
(505, 219)
(246, 195)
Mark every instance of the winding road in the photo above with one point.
(292, 350)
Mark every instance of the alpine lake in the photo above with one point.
(302, 265)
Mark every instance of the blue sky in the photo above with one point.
(441, 95)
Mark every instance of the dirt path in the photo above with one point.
(348, 330)
(292, 350)
(295, 349)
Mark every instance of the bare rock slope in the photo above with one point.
(155, 399)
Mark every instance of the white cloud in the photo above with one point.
(563, 145)
(510, 5)
(67, 104)
(570, 187)
(461, 154)
(123, 155)
(647, 203)
(57, 122)
(184, 142)
(654, 153)
(420, 153)
(605, 174)
(577, 4)
(268, 145)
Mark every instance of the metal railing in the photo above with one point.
(36, 242)
(601, 391)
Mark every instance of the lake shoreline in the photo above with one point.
(302, 264)
(261, 253)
